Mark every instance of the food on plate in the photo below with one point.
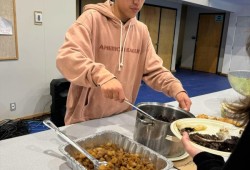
(190, 128)
(223, 133)
(215, 137)
(223, 119)
(116, 157)
(226, 145)
(223, 140)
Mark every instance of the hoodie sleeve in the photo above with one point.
(76, 60)
(157, 76)
(208, 161)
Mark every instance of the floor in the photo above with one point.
(196, 83)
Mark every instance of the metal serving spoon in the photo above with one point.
(148, 115)
(96, 162)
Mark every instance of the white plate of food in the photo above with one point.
(207, 128)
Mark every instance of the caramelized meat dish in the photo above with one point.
(226, 146)
(116, 157)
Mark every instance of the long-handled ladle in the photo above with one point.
(148, 115)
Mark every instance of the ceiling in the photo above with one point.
(239, 2)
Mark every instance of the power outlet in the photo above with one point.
(12, 106)
(38, 17)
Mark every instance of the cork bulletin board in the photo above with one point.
(8, 32)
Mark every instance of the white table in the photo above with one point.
(210, 104)
(39, 151)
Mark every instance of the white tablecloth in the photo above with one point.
(39, 151)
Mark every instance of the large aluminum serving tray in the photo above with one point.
(160, 162)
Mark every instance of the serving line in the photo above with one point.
(40, 151)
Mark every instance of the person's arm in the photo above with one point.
(76, 60)
(183, 100)
(161, 79)
(191, 150)
(203, 160)
(208, 161)
(113, 90)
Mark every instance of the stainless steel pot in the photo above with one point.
(153, 132)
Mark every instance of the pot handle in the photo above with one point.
(172, 138)
(150, 123)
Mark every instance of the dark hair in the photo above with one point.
(240, 111)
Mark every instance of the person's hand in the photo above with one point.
(191, 150)
(113, 90)
(184, 101)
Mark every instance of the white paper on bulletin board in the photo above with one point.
(5, 27)
(8, 30)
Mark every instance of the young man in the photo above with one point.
(106, 54)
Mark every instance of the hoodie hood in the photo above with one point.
(105, 9)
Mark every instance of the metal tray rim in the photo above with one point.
(75, 165)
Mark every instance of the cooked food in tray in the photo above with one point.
(213, 136)
(116, 157)
(119, 151)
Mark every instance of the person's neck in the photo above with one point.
(117, 14)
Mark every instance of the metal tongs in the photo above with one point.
(96, 162)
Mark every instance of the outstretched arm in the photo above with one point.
(191, 150)
(203, 160)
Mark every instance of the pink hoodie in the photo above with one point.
(93, 54)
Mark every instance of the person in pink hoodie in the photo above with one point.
(106, 54)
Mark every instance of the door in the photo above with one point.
(208, 42)
(166, 38)
(150, 16)
(161, 25)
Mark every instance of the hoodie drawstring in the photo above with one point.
(122, 47)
